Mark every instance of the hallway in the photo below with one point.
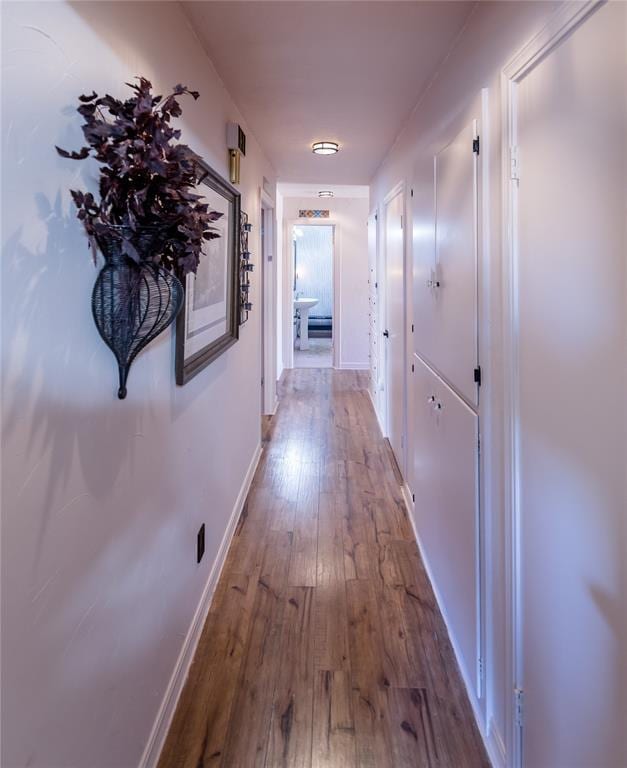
(324, 645)
(314, 374)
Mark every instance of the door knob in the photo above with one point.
(386, 334)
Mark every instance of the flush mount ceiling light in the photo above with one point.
(325, 193)
(325, 147)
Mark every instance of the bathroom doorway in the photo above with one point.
(313, 297)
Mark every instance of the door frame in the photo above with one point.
(268, 323)
(378, 400)
(400, 188)
(288, 294)
(566, 19)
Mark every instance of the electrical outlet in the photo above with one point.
(200, 543)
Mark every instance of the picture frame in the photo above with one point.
(208, 323)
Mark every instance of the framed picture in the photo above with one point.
(208, 324)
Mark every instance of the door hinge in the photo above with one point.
(475, 145)
(519, 704)
(412, 193)
(480, 665)
(478, 443)
(401, 222)
(514, 166)
(413, 497)
(477, 375)
(412, 327)
(412, 367)
(262, 381)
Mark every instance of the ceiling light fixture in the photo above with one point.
(325, 147)
(325, 193)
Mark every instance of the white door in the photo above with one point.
(570, 290)
(394, 332)
(447, 510)
(373, 309)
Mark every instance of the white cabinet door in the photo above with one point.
(455, 274)
(447, 509)
(445, 267)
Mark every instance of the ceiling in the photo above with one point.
(349, 72)
(291, 189)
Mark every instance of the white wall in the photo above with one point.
(102, 498)
(350, 217)
(494, 33)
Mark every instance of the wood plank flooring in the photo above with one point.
(324, 646)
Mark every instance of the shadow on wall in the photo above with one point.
(50, 310)
(61, 539)
(101, 498)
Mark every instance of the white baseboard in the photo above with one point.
(409, 503)
(353, 366)
(474, 703)
(376, 413)
(162, 723)
(273, 407)
(496, 746)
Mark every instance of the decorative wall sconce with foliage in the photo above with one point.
(149, 223)
(246, 267)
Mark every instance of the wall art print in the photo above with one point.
(209, 322)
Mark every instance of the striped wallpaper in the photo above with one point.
(314, 267)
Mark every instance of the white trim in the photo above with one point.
(409, 501)
(399, 189)
(470, 692)
(564, 21)
(566, 18)
(496, 746)
(396, 190)
(156, 740)
(269, 303)
(267, 200)
(376, 413)
(288, 296)
(379, 382)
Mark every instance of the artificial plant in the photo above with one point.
(147, 179)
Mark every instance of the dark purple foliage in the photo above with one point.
(146, 180)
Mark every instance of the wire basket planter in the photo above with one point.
(132, 303)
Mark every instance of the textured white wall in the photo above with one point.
(350, 215)
(102, 498)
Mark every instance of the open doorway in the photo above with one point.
(313, 316)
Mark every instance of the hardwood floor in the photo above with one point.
(324, 646)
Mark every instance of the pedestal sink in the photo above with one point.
(304, 305)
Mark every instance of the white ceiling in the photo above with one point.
(290, 189)
(344, 71)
